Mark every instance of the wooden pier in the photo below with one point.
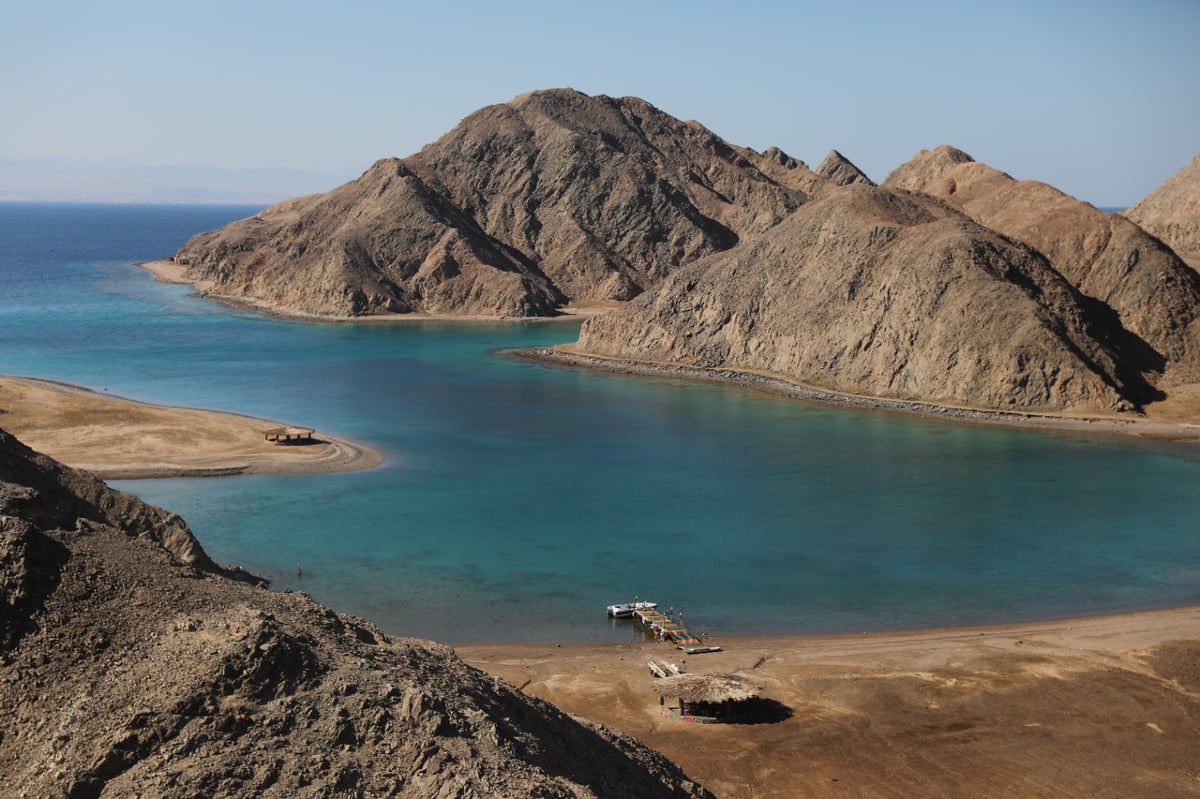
(665, 629)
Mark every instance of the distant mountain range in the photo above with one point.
(950, 283)
(119, 180)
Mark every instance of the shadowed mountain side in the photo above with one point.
(1105, 256)
(133, 668)
(554, 196)
(1172, 211)
(890, 294)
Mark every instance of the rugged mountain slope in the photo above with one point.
(1172, 211)
(555, 195)
(890, 294)
(131, 668)
(1105, 256)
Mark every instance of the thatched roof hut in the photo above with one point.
(706, 688)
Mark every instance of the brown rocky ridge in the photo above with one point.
(132, 666)
(1172, 212)
(841, 171)
(551, 198)
(888, 293)
(557, 197)
(1155, 295)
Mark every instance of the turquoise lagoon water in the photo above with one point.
(518, 499)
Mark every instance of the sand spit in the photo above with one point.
(1106, 706)
(1131, 425)
(119, 438)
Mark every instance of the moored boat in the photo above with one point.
(625, 610)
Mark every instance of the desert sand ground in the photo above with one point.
(1100, 707)
(120, 438)
(1104, 707)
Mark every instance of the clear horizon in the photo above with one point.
(260, 102)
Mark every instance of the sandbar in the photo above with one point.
(1105, 706)
(118, 438)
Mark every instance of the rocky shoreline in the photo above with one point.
(564, 356)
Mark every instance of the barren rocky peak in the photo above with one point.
(607, 195)
(841, 171)
(787, 171)
(948, 172)
(1172, 212)
(132, 667)
(892, 294)
(525, 205)
(1107, 257)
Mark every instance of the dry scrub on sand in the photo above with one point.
(120, 438)
(1100, 707)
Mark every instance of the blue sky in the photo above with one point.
(1101, 98)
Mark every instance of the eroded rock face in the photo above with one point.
(555, 196)
(891, 294)
(130, 667)
(1105, 256)
(1172, 211)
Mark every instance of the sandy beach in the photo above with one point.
(1098, 707)
(119, 438)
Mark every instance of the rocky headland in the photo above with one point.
(132, 665)
(951, 283)
(551, 198)
(888, 293)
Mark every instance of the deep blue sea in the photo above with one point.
(519, 499)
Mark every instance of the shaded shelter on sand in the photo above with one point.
(712, 694)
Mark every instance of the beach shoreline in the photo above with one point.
(1102, 705)
(118, 438)
(1128, 424)
(169, 271)
(1125, 425)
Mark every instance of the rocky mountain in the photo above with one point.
(553, 197)
(892, 294)
(132, 666)
(1108, 258)
(841, 171)
(1172, 212)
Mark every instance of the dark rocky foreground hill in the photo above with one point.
(892, 294)
(132, 666)
(553, 197)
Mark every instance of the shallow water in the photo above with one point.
(518, 498)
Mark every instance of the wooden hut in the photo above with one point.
(288, 435)
(714, 695)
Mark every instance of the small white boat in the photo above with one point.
(626, 609)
